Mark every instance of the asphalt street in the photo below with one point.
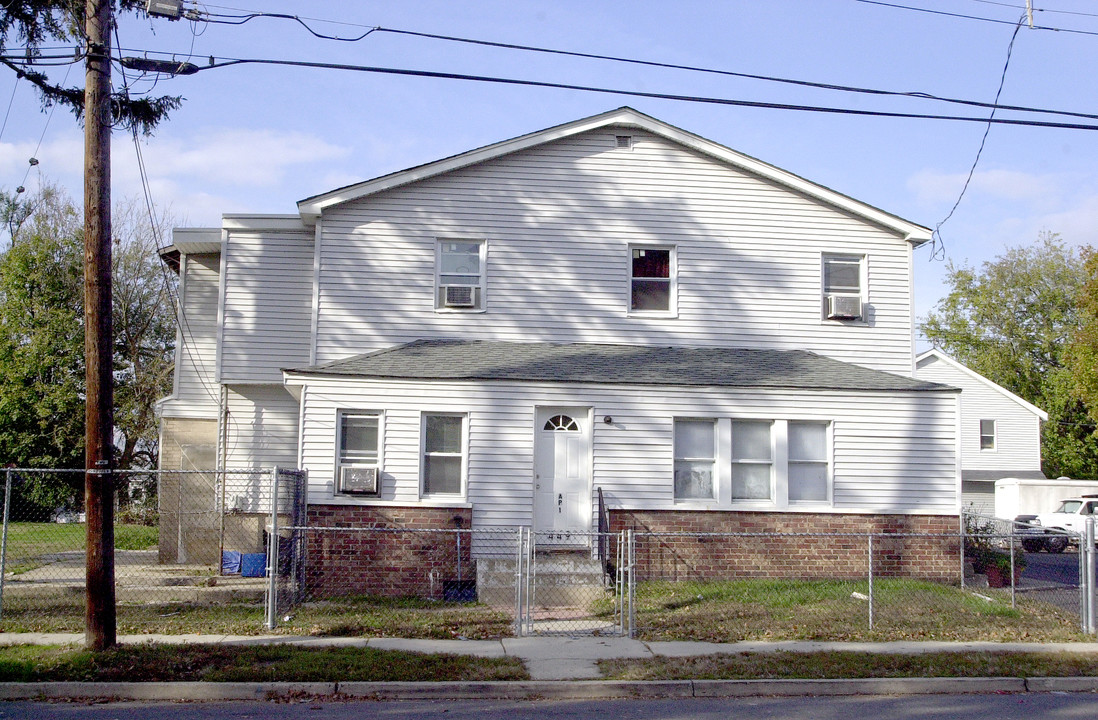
(1062, 568)
(1047, 706)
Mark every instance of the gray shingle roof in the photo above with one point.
(479, 360)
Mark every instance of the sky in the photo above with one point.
(257, 138)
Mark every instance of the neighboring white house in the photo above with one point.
(1000, 432)
(613, 304)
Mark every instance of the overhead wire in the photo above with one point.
(964, 16)
(228, 62)
(635, 61)
(7, 113)
(167, 285)
(1036, 10)
(936, 237)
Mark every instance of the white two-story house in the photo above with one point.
(612, 304)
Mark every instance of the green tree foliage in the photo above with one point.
(1083, 355)
(1013, 321)
(42, 344)
(32, 23)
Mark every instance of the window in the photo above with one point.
(652, 279)
(460, 265)
(695, 459)
(843, 286)
(752, 461)
(443, 454)
(781, 462)
(987, 434)
(357, 453)
(808, 466)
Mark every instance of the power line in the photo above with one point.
(227, 62)
(1036, 10)
(241, 19)
(972, 17)
(983, 141)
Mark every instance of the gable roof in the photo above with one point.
(479, 360)
(935, 354)
(312, 207)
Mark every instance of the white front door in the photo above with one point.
(562, 462)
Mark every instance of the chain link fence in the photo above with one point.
(187, 545)
(240, 552)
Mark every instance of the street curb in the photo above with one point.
(863, 686)
(1062, 684)
(535, 690)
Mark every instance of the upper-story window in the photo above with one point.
(987, 434)
(652, 279)
(844, 287)
(460, 271)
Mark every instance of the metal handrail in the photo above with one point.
(603, 529)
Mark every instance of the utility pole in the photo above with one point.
(99, 616)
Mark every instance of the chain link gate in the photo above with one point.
(565, 585)
(286, 543)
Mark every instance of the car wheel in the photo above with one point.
(1056, 544)
(1031, 545)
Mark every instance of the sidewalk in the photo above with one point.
(564, 658)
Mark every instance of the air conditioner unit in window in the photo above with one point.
(459, 296)
(359, 480)
(844, 307)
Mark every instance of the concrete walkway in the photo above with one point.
(562, 658)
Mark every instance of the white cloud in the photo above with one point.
(257, 158)
(933, 188)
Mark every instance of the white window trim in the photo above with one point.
(779, 473)
(863, 285)
(460, 495)
(717, 463)
(994, 435)
(337, 463)
(673, 291)
(481, 286)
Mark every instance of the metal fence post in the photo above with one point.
(1088, 540)
(871, 582)
(272, 556)
(632, 584)
(961, 531)
(519, 543)
(1013, 574)
(4, 541)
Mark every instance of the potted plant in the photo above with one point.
(997, 567)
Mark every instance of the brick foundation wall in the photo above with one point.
(784, 550)
(390, 560)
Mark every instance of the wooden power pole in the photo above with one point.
(100, 620)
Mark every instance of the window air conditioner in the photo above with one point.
(844, 307)
(358, 480)
(459, 296)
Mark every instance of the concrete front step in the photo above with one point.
(560, 579)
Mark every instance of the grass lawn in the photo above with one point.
(829, 610)
(712, 611)
(346, 617)
(29, 544)
(824, 665)
(262, 663)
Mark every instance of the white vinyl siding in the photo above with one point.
(196, 391)
(268, 304)
(263, 427)
(560, 220)
(893, 452)
(1017, 429)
